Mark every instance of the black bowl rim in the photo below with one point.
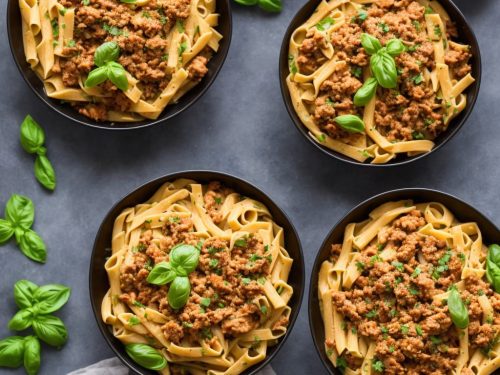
(301, 128)
(106, 125)
(188, 174)
(409, 191)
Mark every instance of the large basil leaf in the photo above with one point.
(106, 52)
(44, 172)
(32, 135)
(22, 320)
(20, 211)
(161, 274)
(6, 230)
(366, 92)
(32, 245)
(23, 293)
(51, 297)
(384, 69)
(146, 356)
(31, 357)
(185, 256)
(458, 310)
(11, 351)
(493, 266)
(51, 330)
(179, 291)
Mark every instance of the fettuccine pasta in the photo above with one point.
(238, 303)
(328, 65)
(383, 295)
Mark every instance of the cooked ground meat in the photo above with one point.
(142, 34)
(412, 110)
(392, 301)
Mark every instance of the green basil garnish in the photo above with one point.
(32, 139)
(105, 58)
(351, 123)
(458, 310)
(185, 256)
(366, 92)
(146, 356)
(370, 43)
(162, 274)
(493, 266)
(384, 69)
(395, 47)
(11, 351)
(325, 24)
(178, 293)
(31, 356)
(246, 2)
(51, 330)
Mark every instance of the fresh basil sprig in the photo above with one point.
(19, 217)
(105, 57)
(32, 140)
(366, 92)
(183, 260)
(16, 351)
(458, 310)
(351, 123)
(493, 266)
(146, 356)
(273, 6)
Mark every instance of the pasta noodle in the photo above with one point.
(328, 66)
(238, 304)
(386, 286)
(164, 47)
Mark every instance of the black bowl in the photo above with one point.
(98, 279)
(462, 211)
(14, 32)
(465, 34)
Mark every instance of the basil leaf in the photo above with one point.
(96, 77)
(384, 69)
(31, 355)
(146, 356)
(11, 351)
(117, 75)
(370, 43)
(366, 92)
(325, 24)
(458, 311)
(161, 274)
(351, 123)
(20, 211)
(23, 293)
(51, 297)
(32, 135)
(493, 266)
(273, 6)
(179, 291)
(185, 256)
(19, 233)
(33, 246)
(44, 172)
(6, 231)
(128, 1)
(51, 330)
(22, 320)
(106, 52)
(247, 2)
(395, 47)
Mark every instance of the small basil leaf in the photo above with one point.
(11, 351)
(185, 256)
(23, 293)
(6, 231)
(128, 1)
(179, 291)
(33, 246)
(117, 75)
(370, 43)
(493, 266)
(146, 356)
(51, 330)
(458, 311)
(106, 52)
(366, 92)
(384, 70)
(273, 6)
(395, 47)
(32, 135)
(161, 274)
(96, 77)
(51, 297)
(247, 2)
(44, 172)
(20, 211)
(22, 320)
(31, 355)
(351, 123)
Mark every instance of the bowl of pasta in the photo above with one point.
(196, 271)
(114, 64)
(379, 82)
(408, 282)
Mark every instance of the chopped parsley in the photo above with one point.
(360, 266)
(139, 248)
(85, 2)
(212, 250)
(213, 263)
(261, 280)
(164, 57)
(206, 333)
(461, 256)
(291, 64)
(133, 321)
(329, 101)
(341, 363)
(416, 272)
(325, 24)
(398, 265)
(417, 25)
(435, 340)
(241, 242)
(71, 43)
(174, 219)
(429, 10)
(179, 25)
(392, 349)
(321, 138)
(393, 313)
(385, 332)
(418, 79)
(404, 329)
(55, 28)
(279, 289)
(357, 71)
(246, 280)
(428, 121)
(263, 309)
(418, 328)
(360, 18)
(374, 259)
(443, 265)
(254, 257)
(378, 365)
(437, 31)
(113, 30)
(218, 200)
(354, 330)
(383, 27)
(63, 11)
(413, 291)
(205, 301)
(480, 292)
(414, 47)
(371, 314)
(146, 14)
(182, 48)
(138, 304)
(187, 325)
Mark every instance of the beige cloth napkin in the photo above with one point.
(113, 366)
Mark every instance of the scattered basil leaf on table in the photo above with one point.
(20, 211)
(351, 123)
(51, 330)
(458, 310)
(23, 293)
(11, 351)
(32, 246)
(366, 92)
(146, 356)
(51, 297)
(178, 293)
(31, 356)
(6, 230)
(493, 266)
(32, 140)
(105, 58)
(22, 320)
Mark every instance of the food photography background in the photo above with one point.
(240, 126)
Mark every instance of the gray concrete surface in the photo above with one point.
(240, 126)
